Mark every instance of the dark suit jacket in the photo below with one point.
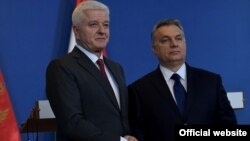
(82, 100)
(154, 114)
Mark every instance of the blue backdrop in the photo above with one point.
(34, 32)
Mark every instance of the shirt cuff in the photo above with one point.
(122, 139)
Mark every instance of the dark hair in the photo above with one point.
(166, 22)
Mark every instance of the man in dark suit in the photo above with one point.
(89, 105)
(154, 111)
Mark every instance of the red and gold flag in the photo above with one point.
(9, 130)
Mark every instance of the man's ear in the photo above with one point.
(153, 49)
(76, 31)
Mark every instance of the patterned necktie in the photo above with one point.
(179, 92)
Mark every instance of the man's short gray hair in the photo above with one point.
(78, 14)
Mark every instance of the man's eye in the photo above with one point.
(179, 39)
(165, 40)
(106, 25)
(93, 24)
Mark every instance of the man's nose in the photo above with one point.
(101, 29)
(173, 43)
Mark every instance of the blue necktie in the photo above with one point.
(179, 92)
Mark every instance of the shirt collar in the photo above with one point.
(91, 56)
(168, 73)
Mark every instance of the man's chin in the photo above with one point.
(101, 47)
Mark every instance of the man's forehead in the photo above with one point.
(169, 30)
(97, 16)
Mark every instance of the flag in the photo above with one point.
(72, 41)
(9, 130)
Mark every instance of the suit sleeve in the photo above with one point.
(225, 112)
(135, 117)
(64, 97)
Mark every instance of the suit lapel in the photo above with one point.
(90, 67)
(163, 90)
(120, 82)
(191, 90)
